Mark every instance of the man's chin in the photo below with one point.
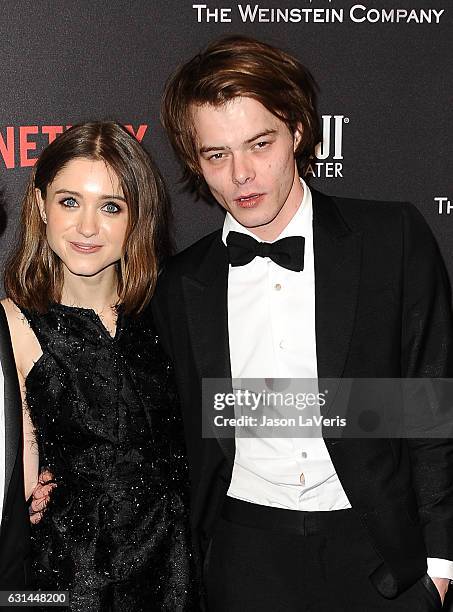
(252, 222)
(253, 217)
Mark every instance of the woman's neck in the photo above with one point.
(98, 292)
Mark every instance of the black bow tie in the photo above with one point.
(286, 252)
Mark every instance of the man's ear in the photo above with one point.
(41, 205)
(297, 136)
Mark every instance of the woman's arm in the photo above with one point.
(31, 453)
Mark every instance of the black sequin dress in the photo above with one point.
(108, 427)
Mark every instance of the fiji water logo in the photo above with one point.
(329, 152)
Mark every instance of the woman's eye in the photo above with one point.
(111, 207)
(217, 156)
(69, 202)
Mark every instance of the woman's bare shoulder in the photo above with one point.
(16, 319)
(13, 313)
(25, 345)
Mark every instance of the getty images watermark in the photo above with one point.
(336, 408)
(260, 409)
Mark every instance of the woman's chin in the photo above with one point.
(84, 271)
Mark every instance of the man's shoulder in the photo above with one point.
(199, 247)
(361, 208)
(189, 258)
(372, 215)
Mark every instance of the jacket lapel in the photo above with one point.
(206, 294)
(12, 401)
(337, 254)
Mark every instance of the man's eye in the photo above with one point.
(68, 202)
(261, 145)
(111, 207)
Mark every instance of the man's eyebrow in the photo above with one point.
(260, 135)
(248, 141)
(102, 197)
(214, 148)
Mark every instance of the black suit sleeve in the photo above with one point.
(427, 351)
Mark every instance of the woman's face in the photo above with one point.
(86, 216)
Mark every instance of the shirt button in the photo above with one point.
(304, 455)
(302, 478)
(282, 344)
(277, 286)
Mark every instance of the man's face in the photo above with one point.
(246, 156)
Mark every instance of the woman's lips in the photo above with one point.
(250, 200)
(81, 247)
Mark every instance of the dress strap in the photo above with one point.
(38, 325)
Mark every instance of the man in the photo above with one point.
(14, 525)
(358, 291)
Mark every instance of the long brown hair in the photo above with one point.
(34, 274)
(239, 66)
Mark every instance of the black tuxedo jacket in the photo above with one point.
(382, 310)
(14, 526)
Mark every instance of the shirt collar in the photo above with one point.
(299, 225)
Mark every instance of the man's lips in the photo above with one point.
(85, 247)
(249, 200)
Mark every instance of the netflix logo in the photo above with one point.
(20, 146)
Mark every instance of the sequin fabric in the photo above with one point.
(108, 427)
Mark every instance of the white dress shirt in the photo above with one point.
(271, 325)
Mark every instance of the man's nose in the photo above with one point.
(242, 171)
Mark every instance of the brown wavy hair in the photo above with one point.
(239, 66)
(34, 274)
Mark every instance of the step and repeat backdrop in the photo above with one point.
(384, 68)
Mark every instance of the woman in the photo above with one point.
(101, 409)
